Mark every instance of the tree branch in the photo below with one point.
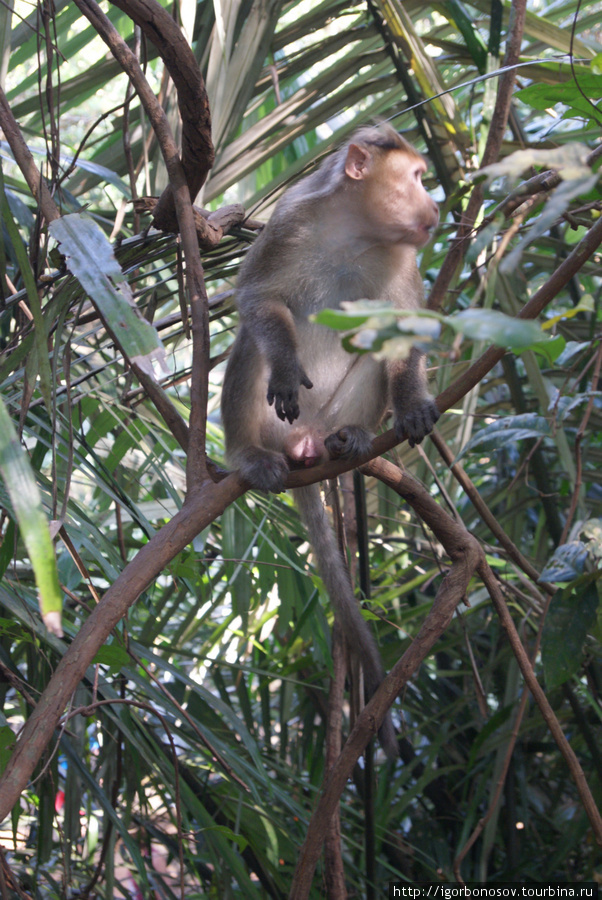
(540, 698)
(25, 161)
(499, 121)
(197, 148)
(196, 470)
(466, 554)
(487, 516)
(198, 512)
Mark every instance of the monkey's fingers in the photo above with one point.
(286, 407)
(306, 382)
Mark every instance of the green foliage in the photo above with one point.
(371, 326)
(89, 255)
(570, 620)
(198, 745)
(28, 512)
(578, 98)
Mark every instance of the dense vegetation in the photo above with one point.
(192, 754)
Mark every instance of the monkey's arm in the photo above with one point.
(414, 408)
(272, 327)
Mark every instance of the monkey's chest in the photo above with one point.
(334, 282)
(347, 388)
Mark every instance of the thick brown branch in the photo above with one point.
(198, 512)
(197, 147)
(25, 161)
(196, 466)
(210, 226)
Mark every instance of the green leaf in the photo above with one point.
(507, 431)
(496, 328)
(353, 315)
(586, 304)
(458, 14)
(90, 257)
(7, 745)
(239, 536)
(112, 655)
(571, 615)
(551, 349)
(547, 96)
(42, 364)
(238, 839)
(27, 504)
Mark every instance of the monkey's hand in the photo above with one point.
(417, 422)
(283, 389)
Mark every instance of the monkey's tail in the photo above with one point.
(335, 575)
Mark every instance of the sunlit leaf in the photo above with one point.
(496, 328)
(33, 524)
(90, 257)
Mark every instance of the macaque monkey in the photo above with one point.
(292, 396)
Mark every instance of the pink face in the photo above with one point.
(395, 204)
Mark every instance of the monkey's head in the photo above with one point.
(383, 172)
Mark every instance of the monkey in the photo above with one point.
(292, 396)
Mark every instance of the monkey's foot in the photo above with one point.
(347, 442)
(265, 470)
(418, 422)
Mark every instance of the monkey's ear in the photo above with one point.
(357, 162)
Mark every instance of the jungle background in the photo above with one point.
(190, 756)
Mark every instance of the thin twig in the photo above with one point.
(578, 452)
(499, 121)
(487, 516)
(540, 698)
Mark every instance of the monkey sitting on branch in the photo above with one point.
(292, 396)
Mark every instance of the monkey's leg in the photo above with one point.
(265, 470)
(248, 420)
(415, 410)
